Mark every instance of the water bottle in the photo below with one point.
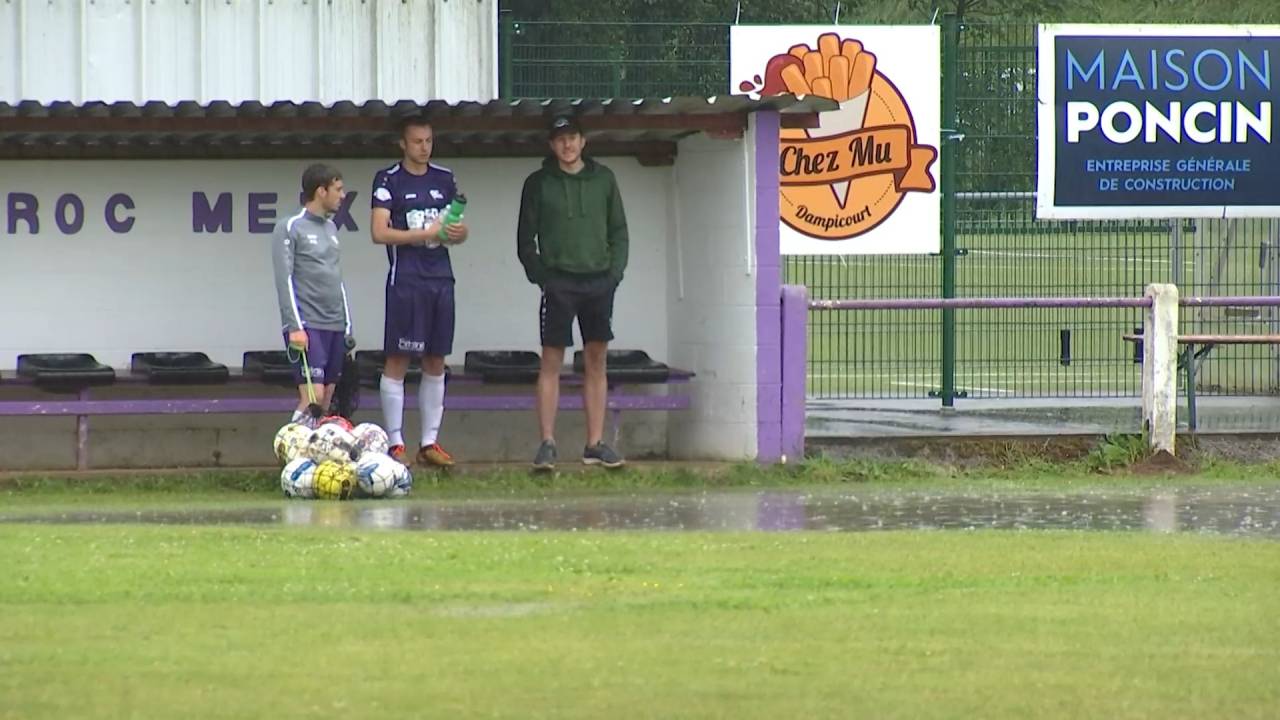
(452, 215)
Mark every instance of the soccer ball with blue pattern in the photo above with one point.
(377, 474)
(298, 478)
(403, 482)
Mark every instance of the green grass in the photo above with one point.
(996, 466)
(196, 622)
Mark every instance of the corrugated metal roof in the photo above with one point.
(172, 50)
(627, 126)
(524, 107)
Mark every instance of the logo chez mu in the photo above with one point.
(847, 176)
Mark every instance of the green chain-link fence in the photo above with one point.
(1000, 248)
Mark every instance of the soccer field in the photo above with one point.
(297, 611)
(1018, 352)
(208, 622)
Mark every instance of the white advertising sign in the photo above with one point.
(865, 181)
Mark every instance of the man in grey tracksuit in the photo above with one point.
(313, 301)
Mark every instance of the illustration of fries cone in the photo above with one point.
(841, 71)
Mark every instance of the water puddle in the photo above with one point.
(1234, 511)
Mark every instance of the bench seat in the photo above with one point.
(1189, 359)
(264, 384)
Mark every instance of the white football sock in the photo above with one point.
(431, 405)
(392, 393)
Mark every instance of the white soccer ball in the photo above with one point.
(371, 439)
(290, 441)
(403, 482)
(298, 478)
(331, 442)
(377, 474)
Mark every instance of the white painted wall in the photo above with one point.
(239, 50)
(162, 286)
(712, 298)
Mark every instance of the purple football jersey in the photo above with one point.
(415, 201)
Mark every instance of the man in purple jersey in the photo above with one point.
(409, 202)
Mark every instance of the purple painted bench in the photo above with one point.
(258, 392)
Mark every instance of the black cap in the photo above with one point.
(563, 124)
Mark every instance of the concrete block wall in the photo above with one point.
(712, 298)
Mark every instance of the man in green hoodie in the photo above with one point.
(572, 241)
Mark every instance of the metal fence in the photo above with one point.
(994, 246)
(603, 59)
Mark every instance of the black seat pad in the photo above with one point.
(65, 371)
(369, 364)
(179, 368)
(269, 366)
(503, 366)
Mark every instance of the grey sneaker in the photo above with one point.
(601, 454)
(546, 457)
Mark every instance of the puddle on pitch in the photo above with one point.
(1238, 512)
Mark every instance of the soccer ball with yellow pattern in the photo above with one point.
(335, 480)
(290, 441)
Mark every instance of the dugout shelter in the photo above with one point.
(146, 150)
(133, 228)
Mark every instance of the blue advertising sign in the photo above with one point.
(1147, 121)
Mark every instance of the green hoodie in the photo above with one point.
(577, 220)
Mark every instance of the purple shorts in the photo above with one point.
(326, 350)
(419, 318)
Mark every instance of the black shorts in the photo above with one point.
(589, 298)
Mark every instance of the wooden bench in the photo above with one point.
(65, 385)
(1189, 358)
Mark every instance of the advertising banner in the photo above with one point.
(1143, 121)
(865, 181)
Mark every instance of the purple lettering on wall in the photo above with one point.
(210, 219)
(114, 221)
(261, 218)
(23, 206)
(72, 226)
(343, 218)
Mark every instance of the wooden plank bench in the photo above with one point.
(1190, 357)
(255, 391)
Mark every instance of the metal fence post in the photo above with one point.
(506, 29)
(615, 73)
(950, 135)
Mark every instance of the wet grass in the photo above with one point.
(1117, 463)
(236, 622)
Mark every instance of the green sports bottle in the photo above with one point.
(452, 215)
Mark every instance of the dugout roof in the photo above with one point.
(646, 128)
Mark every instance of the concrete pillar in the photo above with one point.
(1160, 367)
(795, 339)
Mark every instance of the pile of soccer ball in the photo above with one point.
(337, 461)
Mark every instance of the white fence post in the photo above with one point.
(1160, 367)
